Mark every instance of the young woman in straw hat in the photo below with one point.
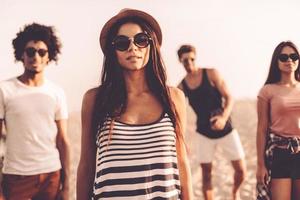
(132, 124)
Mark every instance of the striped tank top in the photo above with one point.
(137, 162)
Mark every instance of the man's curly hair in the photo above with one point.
(37, 32)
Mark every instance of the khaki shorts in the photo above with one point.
(230, 145)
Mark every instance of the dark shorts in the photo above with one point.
(285, 164)
(36, 187)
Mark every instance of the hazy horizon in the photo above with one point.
(235, 36)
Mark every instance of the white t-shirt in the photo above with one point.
(29, 115)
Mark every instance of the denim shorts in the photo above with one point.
(285, 164)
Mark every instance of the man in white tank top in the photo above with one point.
(34, 112)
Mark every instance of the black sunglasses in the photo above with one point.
(284, 57)
(30, 52)
(186, 60)
(122, 42)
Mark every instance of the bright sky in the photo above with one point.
(235, 36)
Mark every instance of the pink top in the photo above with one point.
(285, 108)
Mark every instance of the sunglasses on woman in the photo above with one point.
(284, 57)
(30, 52)
(122, 42)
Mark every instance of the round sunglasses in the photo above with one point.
(122, 42)
(30, 52)
(284, 57)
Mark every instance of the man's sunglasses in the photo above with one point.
(186, 60)
(122, 42)
(30, 52)
(284, 57)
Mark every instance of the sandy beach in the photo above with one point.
(244, 120)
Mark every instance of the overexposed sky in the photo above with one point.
(235, 36)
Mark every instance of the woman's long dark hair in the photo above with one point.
(274, 75)
(111, 99)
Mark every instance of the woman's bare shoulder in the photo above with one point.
(89, 97)
(176, 95)
(91, 92)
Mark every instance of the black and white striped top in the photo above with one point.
(137, 162)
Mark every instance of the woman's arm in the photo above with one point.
(86, 167)
(262, 127)
(183, 162)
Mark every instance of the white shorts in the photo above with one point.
(230, 144)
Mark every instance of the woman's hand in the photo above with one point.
(262, 175)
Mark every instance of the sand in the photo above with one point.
(244, 120)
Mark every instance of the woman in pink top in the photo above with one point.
(278, 129)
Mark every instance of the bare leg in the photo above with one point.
(207, 181)
(239, 175)
(281, 188)
(296, 189)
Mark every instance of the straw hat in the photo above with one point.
(127, 13)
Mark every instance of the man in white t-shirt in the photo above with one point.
(34, 112)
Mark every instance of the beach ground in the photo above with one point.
(244, 120)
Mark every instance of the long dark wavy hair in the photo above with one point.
(111, 98)
(274, 75)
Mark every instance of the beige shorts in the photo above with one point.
(230, 145)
